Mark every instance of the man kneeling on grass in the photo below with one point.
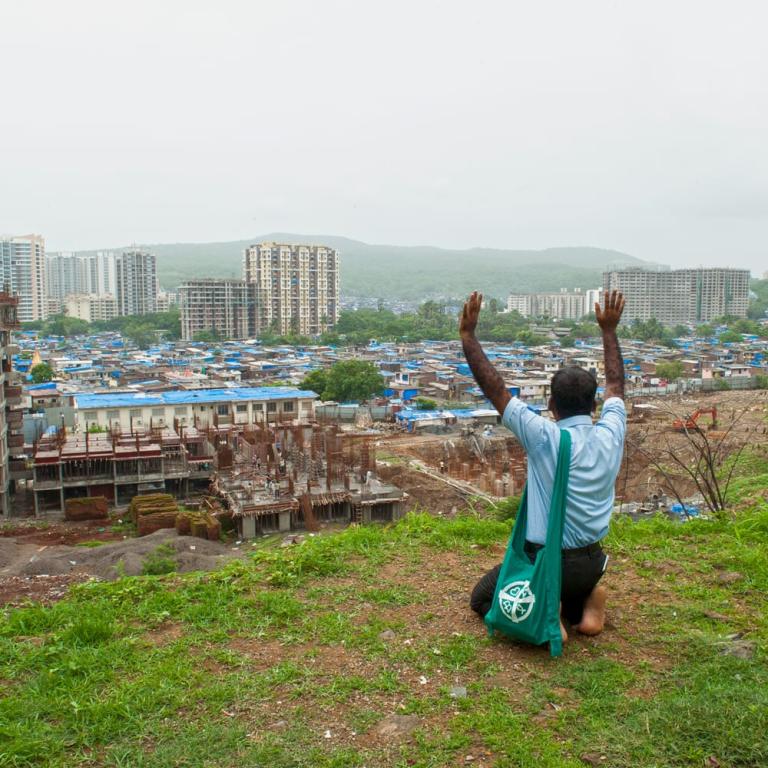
(596, 451)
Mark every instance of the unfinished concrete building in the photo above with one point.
(120, 465)
(286, 478)
(11, 411)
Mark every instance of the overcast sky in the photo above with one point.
(636, 126)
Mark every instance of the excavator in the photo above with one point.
(691, 422)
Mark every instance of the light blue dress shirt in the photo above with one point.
(596, 451)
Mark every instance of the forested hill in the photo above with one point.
(408, 272)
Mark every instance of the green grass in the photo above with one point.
(251, 665)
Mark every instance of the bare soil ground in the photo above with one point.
(638, 478)
(33, 570)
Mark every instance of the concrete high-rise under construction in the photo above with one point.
(223, 308)
(681, 295)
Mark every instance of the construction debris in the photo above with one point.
(282, 478)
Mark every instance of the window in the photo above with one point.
(222, 410)
(113, 416)
(242, 409)
(180, 410)
(288, 406)
(258, 407)
(90, 415)
(271, 407)
(158, 412)
(135, 413)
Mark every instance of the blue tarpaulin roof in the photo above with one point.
(184, 396)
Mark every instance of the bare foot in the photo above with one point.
(563, 633)
(593, 618)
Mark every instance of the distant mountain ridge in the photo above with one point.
(410, 273)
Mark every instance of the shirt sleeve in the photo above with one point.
(613, 417)
(529, 428)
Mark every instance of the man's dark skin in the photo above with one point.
(490, 382)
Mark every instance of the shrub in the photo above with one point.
(159, 562)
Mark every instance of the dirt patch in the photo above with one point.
(60, 532)
(24, 564)
(19, 590)
(424, 491)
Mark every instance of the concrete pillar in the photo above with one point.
(249, 527)
(285, 521)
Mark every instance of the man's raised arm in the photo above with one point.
(608, 318)
(486, 376)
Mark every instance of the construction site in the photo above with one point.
(270, 478)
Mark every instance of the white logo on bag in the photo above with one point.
(516, 601)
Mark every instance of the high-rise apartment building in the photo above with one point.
(67, 273)
(23, 272)
(136, 283)
(224, 308)
(296, 287)
(681, 295)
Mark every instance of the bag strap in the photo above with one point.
(553, 549)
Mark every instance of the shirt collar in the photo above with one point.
(575, 421)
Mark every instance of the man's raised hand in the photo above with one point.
(470, 314)
(609, 315)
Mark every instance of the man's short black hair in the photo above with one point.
(573, 391)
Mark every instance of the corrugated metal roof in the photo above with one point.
(184, 396)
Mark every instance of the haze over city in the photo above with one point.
(502, 125)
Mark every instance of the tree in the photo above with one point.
(345, 381)
(208, 335)
(425, 404)
(316, 381)
(730, 337)
(696, 457)
(41, 373)
(669, 369)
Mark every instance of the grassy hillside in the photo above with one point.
(359, 649)
(411, 273)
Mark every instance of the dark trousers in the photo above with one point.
(582, 569)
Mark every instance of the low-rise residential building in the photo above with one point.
(91, 307)
(564, 305)
(131, 410)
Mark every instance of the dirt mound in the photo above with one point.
(112, 560)
(424, 491)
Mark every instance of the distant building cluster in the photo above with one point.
(565, 305)
(680, 296)
(285, 289)
(89, 286)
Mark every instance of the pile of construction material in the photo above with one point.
(201, 524)
(86, 508)
(153, 511)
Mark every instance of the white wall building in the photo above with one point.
(23, 272)
(199, 407)
(91, 306)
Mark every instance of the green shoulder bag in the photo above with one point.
(526, 603)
